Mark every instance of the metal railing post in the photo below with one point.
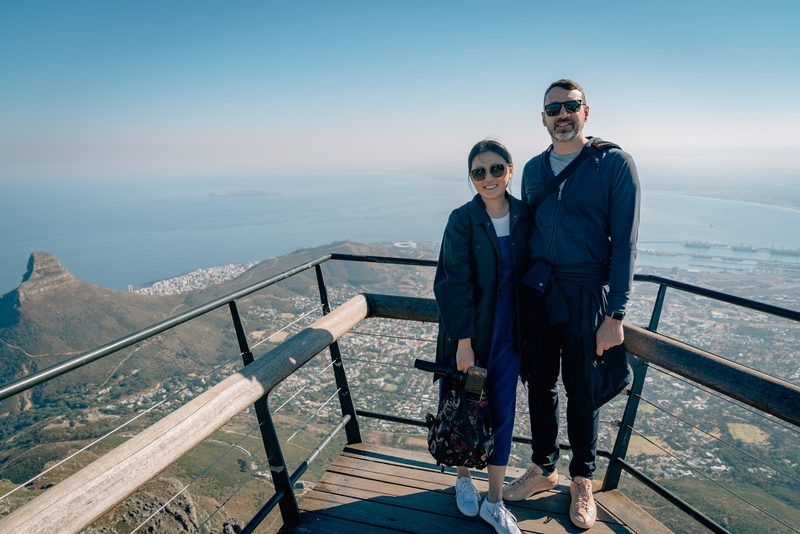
(244, 347)
(656, 315)
(639, 367)
(345, 398)
(290, 512)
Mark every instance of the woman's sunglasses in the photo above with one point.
(497, 170)
(572, 106)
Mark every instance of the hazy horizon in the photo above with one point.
(150, 91)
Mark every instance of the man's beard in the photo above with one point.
(568, 135)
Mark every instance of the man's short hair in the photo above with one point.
(564, 83)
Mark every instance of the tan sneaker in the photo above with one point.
(582, 511)
(533, 481)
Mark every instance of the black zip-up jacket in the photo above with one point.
(467, 275)
(593, 220)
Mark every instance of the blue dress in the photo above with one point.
(501, 380)
(504, 362)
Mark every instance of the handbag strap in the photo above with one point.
(587, 151)
(467, 424)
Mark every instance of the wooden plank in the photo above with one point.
(377, 487)
(394, 459)
(556, 501)
(400, 479)
(635, 518)
(435, 502)
(313, 523)
(379, 453)
(76, 502)
(405, 519)
(379, 514)
(399, 471)
(442, 498)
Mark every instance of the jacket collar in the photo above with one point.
(546, 155)
(477, 211)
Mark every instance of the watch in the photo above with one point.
(618, 315)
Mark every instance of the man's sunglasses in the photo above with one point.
(572, 106)
(497, 170)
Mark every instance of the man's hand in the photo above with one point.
(465, 357)
(609, 335)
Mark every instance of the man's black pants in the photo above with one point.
(551, 347)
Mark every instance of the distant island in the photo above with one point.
(244, 193)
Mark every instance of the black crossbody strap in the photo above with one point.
(588, 150)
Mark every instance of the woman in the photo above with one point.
(482, 255)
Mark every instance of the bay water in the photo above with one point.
(120, 234)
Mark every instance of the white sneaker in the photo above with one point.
(467, 497)
(497, 515)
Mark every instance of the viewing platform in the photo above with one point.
(382, 490)
(371, 488)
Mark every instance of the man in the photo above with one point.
(583, 249)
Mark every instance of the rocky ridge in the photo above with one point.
(45, 274)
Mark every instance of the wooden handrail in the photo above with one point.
(76, 502)
(767, 393)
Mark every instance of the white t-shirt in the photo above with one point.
(502, 226)
(559, 162)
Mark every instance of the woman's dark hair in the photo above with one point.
(488, 145)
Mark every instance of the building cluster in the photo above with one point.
(198, 279)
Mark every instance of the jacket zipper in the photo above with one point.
(550, 258)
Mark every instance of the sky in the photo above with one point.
(154, 90)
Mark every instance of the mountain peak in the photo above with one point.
(45, 274)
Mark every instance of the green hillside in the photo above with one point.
(46, 322)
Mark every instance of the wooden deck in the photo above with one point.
(373, 489)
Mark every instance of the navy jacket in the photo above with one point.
(466, 278)
(593, 220)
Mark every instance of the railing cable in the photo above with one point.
(376, 362)
(731, 445)
(312, 416)
(393, 337)
(123, 425)
(203, 472)
(230, 449)
(714, 481)
(302, 388)
(406, 395)
(237, 490)
(231, 496)
(303, 316)
(744, 407)
(148, 410)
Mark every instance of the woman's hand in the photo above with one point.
(465, 358)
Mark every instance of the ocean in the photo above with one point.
(121, 234)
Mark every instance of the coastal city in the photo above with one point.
(197, 279)
(682, 430)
